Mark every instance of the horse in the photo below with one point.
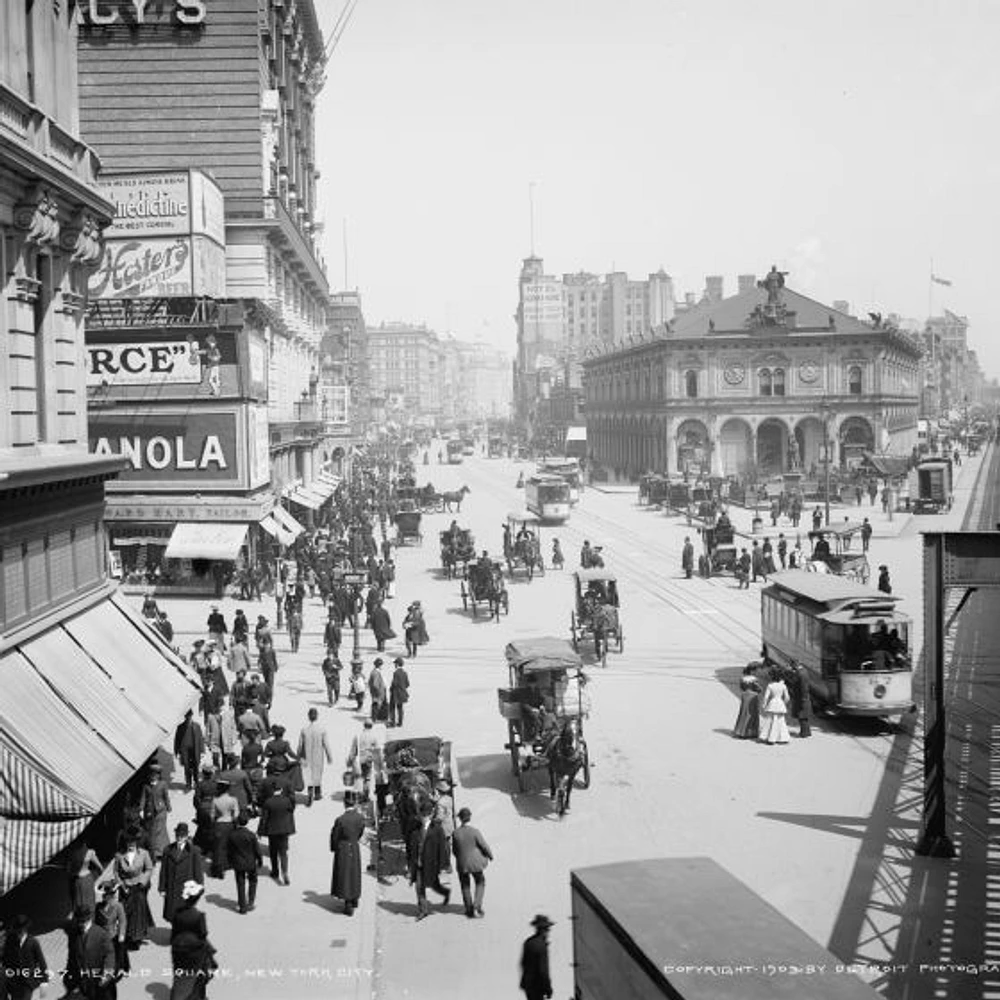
(455, 497)
(412, 798)
(565, 755)
(488, 587)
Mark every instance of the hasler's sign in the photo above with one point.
(170, 361)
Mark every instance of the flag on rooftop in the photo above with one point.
(940, 281)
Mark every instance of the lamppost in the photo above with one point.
(826, 412)
(354, 580)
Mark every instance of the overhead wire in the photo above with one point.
(339, 27)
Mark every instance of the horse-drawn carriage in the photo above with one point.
(522, 543)
(545, 706)
(595, 614)
(720, 554)
(421, 778)
(458, 547)
(831, 553)
(653, 489)
(408, 527)
(483, 584)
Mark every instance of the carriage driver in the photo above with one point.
(485, 564)
(454, 531)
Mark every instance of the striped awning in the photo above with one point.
(287, 521)
(306, 498)
(276, 530)
(84, 705)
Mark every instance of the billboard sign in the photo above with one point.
(170, 203)
(173, 449)
(161, 362)
(150, 267)
(258, 446)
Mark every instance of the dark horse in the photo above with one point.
(413, 801)
(566, 753)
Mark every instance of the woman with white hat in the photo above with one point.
(191, 952)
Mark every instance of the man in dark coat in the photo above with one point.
(687, 558)
(381, 625)
(756, 562)
(189, 744)
(535, 979)
(332, 633)
(399, 692)
(376, 687)
(345, 843)
(217, 628)
(182, 862)
(23, 963)
(94, 956)
(803, 708)
(245, 857)
(428, 857)
(472, 855)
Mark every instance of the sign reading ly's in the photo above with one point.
(108, 12)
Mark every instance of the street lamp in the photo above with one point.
(826, 412)
(355, 581)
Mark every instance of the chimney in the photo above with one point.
(746, 282)
(842, 305)
(713, 288)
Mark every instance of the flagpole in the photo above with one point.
(930, 328)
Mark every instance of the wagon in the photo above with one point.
(546, 687)
(457, 548)
(522, 544)
(653, 489)
(595, 614)
(412, 770)
(841, 560)
(720, 554)
(484, 585)
(408, 527)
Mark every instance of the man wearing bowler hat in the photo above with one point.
(399, 692)
(535, 961)
(181, 863)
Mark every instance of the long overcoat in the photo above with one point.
(381, 624)
(315, 751)
(178, 866)
(345, 842)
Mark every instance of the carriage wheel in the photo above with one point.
(583, 775)
(621, 640)
(572, 632)
(531, 570)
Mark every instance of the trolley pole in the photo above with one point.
(825, 409)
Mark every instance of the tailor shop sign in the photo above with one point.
(156, 266)
(172, 450)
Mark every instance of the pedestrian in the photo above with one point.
(381, 625)
(84, 868)
(110, 915)
(22, 961)
(357, 685)
(687, 558)
(743, 566)
(239, 654)
(192, 957)
(314, 753)
(332, 632)
(558, 559)
(795, 557)
(428, 856)
(182, 863)
(872, 491)
(859, 493)
(586, 555)
(399, 692)
(245, 856)
(93, 957)
(189, 745)
(866, 534)
(331, 668)
(472, 855)
(345, 844)
(267, 663)
(389, 577)
(361, 755)
(803, 710)
(774, 705)
(377, 690)
(277, 823)
(884, 583)
(217, 629)
(748, 720)
(535, 981)
(262, 632)
(415, 628)
(783, 550)
(241, 627)
(775, 511)
(295, 627)
(757, 562)
(155, 804)
(225, 812)
(817, 518)
(133, 869)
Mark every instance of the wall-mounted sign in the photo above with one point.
(172, 449)
(104, 13)
(170, 361)
(172, 203)
(258, 446)
(157, 509)
(156, 266)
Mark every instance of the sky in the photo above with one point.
(850, 143)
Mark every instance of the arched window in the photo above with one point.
(854, 380)
(691, 384)
(778, 382)
(765, 381)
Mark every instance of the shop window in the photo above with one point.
(765, 382)
(691, 384)
(778, 382)
(854, 380)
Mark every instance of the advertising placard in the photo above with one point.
(149, 204)
(258, 446)
(208, 267)
(172, 449)
(149, 267)
(208, 208)
(157, 363)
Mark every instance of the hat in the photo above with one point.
(211, 642)
(349, 796)
(443, 786)
(464, 814)
(542, 922)
(221, 783)
(378, 661)
(155, 769)
(198, 643)
(192, 889)
(215, 607)
(181, 830)
(398, 661)
(83, 913)
(886, 568)
(109, 887)
(262, 618)
(19, 923)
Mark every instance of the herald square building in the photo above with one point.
(209, 365)
(757, 384)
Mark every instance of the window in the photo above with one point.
(778, 382)
(691, 384)
(854, 380)
(765, 381)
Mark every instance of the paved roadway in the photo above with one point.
(668, 778)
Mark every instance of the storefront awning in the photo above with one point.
(84, 705)
(287, 521)
(206, 540)
(276, 531)
(891, 466)
(321, 488)
(330, 478)
(306, 499)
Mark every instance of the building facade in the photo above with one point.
(89, 692)
(757, 384)
(405, 370)
(229, 89)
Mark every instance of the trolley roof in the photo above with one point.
(586, 575)
(841, 531)
(827, 588)
(541, 654)
(525, 516)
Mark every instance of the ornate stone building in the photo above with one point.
(747, 384)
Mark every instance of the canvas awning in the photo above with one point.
(891, 466)
(330, 478)
(287, 521)
(206, 540)
(85, 704)
(304, 498)
(321, 488)
(277, 531)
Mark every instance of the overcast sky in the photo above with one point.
(849, 142)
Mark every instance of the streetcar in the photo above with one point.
(548, 497)
(455, 451)
(852, 640)
(565, 468)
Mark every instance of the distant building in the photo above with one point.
(746, 385)
(404, 364)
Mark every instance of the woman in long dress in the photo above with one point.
(155, 806)
(193, 957)
(748, 720)
(134, 871)
(774, 705)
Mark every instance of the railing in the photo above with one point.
(46, 137)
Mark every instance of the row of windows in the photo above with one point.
(794, 625)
